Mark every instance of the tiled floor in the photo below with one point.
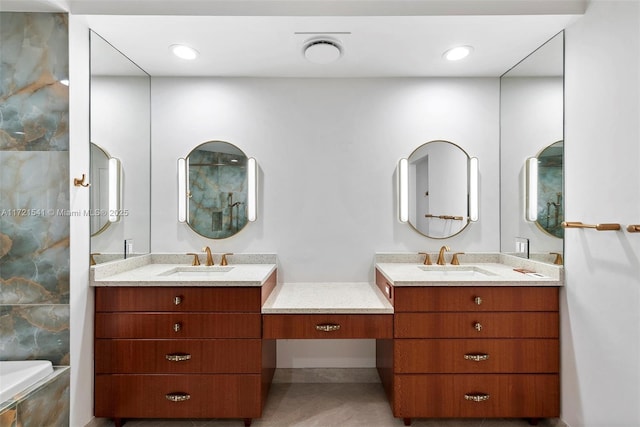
(333, 405)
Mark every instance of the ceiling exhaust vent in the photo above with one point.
(322, 51)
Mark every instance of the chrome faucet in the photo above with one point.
(207, 249)
(441, 260)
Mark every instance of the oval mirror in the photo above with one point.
(441, 189)
(217, 183)
(549, 211)
(104, 190)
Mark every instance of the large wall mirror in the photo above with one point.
(121, 147)
(217, 189)
(532, 154)
(437, 190)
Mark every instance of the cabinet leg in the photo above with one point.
(533, 421)
(117, 422)
(407, 421)
(247, 422)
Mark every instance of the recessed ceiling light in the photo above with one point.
(322, 51)
(457, 53)
(183, 51)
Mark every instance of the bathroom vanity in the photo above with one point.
(480, 339)
(187, 344)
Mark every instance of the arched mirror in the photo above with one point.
(438, 186)
(217, 189)
(105, 189)
(545, 198)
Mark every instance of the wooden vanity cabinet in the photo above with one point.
(462, 352)
(181, 352)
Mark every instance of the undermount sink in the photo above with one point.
(197, 271)
(453, 271)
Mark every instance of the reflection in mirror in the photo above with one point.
(216, 189)
(105, 189)
(531, 127)
(544, 190)
(120, 124)
(438, 189)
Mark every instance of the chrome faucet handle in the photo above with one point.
(454, 259)
(427, 258)
(223, 261)
(196, 259)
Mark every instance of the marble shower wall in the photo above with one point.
(34, 187)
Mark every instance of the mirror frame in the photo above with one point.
(472, 189)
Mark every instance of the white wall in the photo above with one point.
(81, 295)
(601, 300)
(327, 150)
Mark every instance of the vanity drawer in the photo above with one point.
(507, 396)
(180, 299)
(463, 325)
(476, 356)
(462, 298)
(178, 356)
(301, 326)
(188, 325)
(210, 396)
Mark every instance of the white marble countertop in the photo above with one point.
(474, 270)
(311, 298)
(170, 270)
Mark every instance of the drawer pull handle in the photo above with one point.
(176, 327)
(327, 327)
(177, 357)
(177, 300)
(476, 397)
(476, 357)
(477, 300)
(178, 397)
(477, 326)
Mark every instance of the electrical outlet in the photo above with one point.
(522, 247)
(128, 247)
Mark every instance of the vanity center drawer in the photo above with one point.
(323, 326)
